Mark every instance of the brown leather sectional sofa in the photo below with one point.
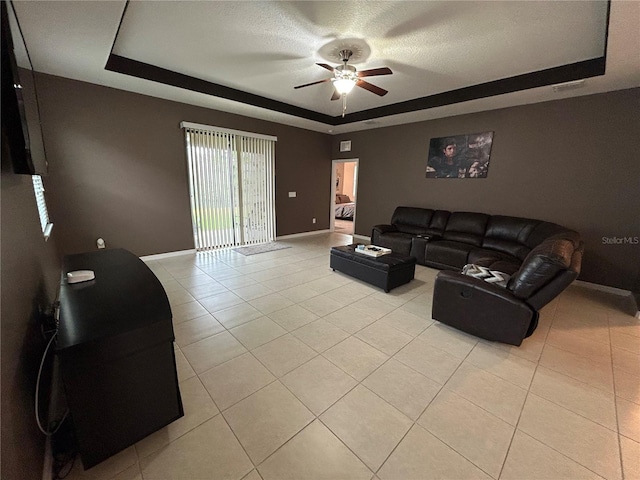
(542, 259)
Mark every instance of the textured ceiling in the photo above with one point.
(265, 48)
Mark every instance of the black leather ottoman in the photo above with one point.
(387, 271)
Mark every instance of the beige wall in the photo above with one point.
(573, 162)
(118, 168)
(340, 178)
(29, 278)
(345, 171)
(349, 179)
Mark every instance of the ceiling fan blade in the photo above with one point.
(324, 65)
(372, 88)
(313, 83)
(374, 71)
(335, 96)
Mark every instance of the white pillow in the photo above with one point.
(483, 273)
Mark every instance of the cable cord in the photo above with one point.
(44, 356)
(70, 462)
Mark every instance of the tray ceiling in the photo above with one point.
(246, 57)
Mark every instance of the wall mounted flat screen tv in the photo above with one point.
(20, 113)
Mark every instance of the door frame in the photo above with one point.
(332, 206)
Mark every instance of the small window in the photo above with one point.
(38, 188)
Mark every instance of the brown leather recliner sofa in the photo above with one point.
(541, 258)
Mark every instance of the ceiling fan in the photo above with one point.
(345, 77)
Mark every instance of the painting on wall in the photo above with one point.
(460, 156)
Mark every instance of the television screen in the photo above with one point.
(20, 112)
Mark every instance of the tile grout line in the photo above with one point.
(318, 354)
(415, 422)
(233, 432)
(278, 379)
(392, 356)
(255, 466)
(220, 411)
(537, 364)
(615, 401)
(358, 383)
(523, 406)
(317, 417)
(617, 430)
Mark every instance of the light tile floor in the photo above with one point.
(343, 226)
(291, 371)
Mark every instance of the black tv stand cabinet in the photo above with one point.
(115, 345)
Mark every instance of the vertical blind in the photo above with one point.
(38, 188)
(231, 186)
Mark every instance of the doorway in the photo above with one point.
(344, 195)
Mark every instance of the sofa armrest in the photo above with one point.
(385, 228)
(379, 230)
(419, 248)
(481, 309)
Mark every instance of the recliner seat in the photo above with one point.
(541, 257)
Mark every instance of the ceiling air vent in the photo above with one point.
(563, 87)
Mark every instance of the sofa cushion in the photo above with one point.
(411, 229)
(509, 235)
(439, 221)
(411, 219)
(546, 230)
(506, 266)
(483, 255)
(542, 265)
(515, 229)
(433, 233)
(444, 252)
(466, 227)
(513, 249)
(398, 242)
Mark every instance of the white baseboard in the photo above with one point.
(602, 288)
(303, 234)
(362, 237)
(160, 256)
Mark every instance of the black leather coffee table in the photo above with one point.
(386, 271)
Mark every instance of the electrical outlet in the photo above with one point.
(313, 220)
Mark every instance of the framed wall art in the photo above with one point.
(460, 156)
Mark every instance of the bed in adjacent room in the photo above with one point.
(345, 208)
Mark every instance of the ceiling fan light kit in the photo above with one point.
(343, 85)
(345, 77)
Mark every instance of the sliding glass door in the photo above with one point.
(231, 186)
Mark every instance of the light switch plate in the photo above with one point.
(292, 194)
